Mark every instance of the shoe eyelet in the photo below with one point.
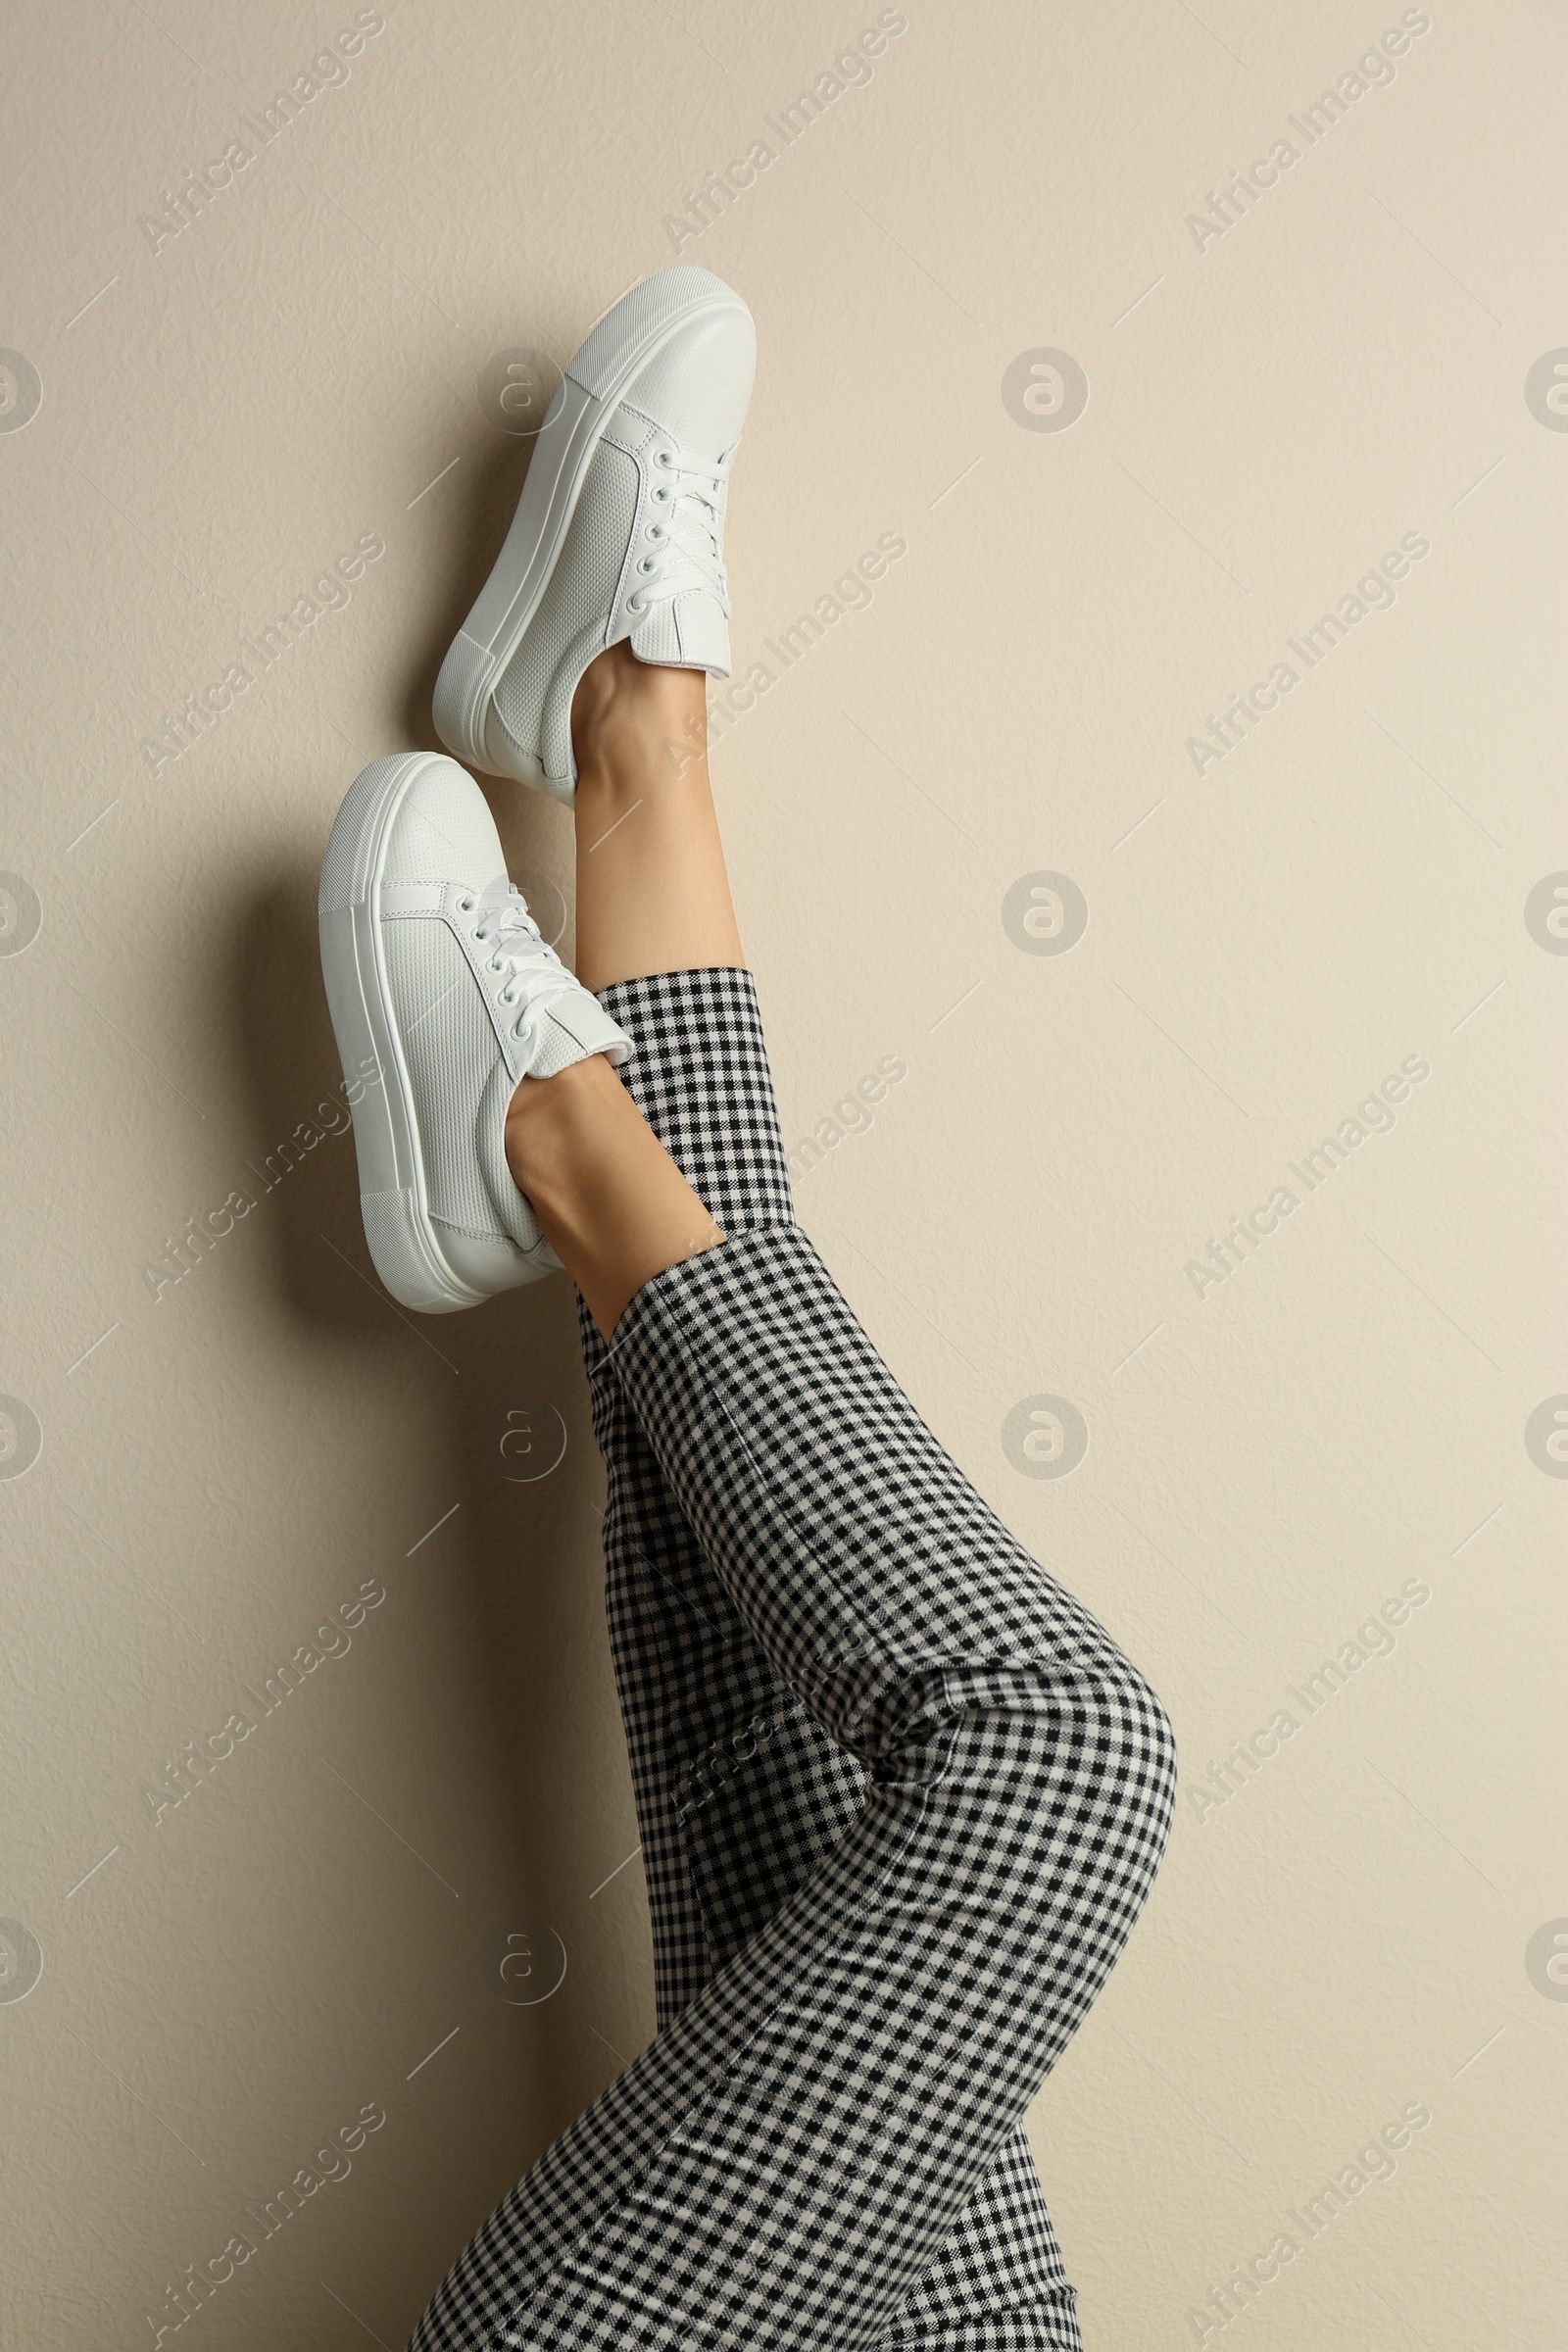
(634, 604)
(467, 905)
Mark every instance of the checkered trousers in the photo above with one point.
(902, 1800)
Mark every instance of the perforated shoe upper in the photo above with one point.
(480, 1002)
(643, 556)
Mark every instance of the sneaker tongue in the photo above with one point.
(687, 632)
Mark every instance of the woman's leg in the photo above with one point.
(788, 2156)
(740, 1792)
(653, 892)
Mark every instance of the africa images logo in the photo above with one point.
(1373, 592)
(197, 188)
(1373, 70)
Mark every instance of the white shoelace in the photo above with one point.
(518, 958)
(684, 546)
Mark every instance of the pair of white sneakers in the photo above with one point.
(442, 992)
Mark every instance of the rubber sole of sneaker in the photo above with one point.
(616, 353)
(394, 1198)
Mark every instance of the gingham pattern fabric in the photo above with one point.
(901, 1845)
(740, 1792)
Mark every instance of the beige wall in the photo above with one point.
(1361, 1929)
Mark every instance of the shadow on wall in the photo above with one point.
(515, 1576)
(482, 497)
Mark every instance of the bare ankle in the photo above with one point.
(634, 723)
(544, 1114)
(610, 1200)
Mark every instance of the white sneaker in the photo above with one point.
(618, 532)
(443, 995)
